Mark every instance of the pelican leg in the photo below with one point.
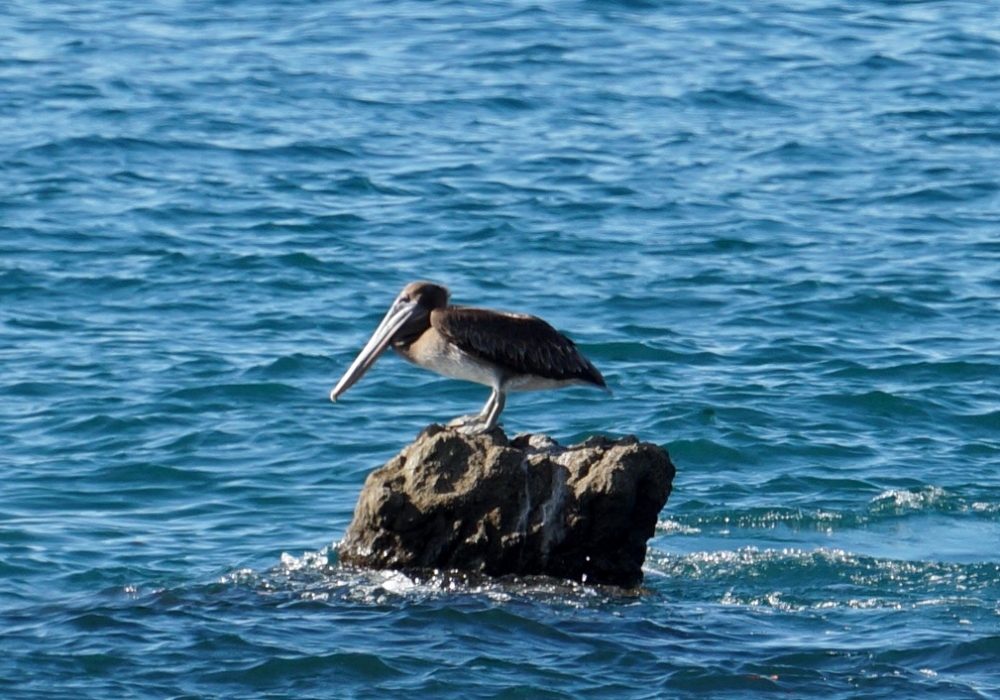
(486, 419)
(494, 405)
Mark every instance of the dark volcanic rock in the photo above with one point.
(485, 504)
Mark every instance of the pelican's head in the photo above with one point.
(407, 318)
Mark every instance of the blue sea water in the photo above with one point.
(774, 226)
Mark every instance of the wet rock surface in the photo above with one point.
(527, 506)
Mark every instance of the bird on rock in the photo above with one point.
(505, 351)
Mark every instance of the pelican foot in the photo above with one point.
(469, 425)
(464, 420)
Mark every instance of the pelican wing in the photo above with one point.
(518, 343)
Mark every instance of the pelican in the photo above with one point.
(505, 351)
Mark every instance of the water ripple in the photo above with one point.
(772, 227)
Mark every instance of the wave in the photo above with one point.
(739, 98)
(239, 392)
(889, 505)
(315, 576)
(793, 579)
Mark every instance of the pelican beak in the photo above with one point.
(397, 316)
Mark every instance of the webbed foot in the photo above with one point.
(470, 425)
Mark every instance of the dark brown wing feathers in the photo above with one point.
(520, 344)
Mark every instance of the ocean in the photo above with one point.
(774, 227)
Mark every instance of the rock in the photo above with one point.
(486, 504)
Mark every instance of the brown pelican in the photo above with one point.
(505, 351)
